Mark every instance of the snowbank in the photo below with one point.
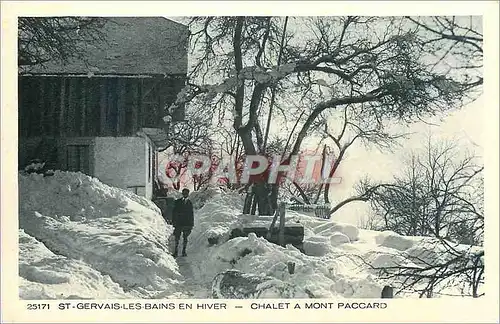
(45, 275)
(313, 276)
(339, 260)
(117, 233)
(322, 272)
(236, 284)
(338, 238)
(216, 219)
(393, 240)
(79, 238)
(325, 273)
(317, 245)
(329, 227)
(201, 197)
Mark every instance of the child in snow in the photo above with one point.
(182, 220)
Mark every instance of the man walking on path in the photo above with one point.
(182, 220)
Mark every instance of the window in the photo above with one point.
(78, 158)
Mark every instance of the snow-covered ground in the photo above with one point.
(79, 238)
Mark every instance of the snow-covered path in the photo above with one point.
(189, 287)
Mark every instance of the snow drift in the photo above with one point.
(80, 238)
(324, 271)
(45, 275)
(339, 260)
(113, 231)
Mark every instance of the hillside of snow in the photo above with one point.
(79, 238)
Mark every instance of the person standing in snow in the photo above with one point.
(182, 220)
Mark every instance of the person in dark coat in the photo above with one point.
(182, 220)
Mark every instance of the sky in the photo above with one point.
(465, 125)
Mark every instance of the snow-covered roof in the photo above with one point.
(132, 45)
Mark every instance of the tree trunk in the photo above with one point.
(302, 193)
(437, 227)
(323, 158)
(274, 198)
(332, 172)
(262, 195)
(261, 190)
(248, 203)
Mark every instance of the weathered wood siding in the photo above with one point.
(70, 106)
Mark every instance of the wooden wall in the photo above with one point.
(72, 106)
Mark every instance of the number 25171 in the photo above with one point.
(37, 306)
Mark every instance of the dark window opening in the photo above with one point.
(78, 158)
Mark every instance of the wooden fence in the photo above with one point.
(320, 211)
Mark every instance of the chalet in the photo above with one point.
(103, 114)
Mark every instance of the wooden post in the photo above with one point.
(162, 90)
(254, 206)
(120, 106)
(135, 105)
(52, 106)
(248, 203)
(103, 102)
(62, 108)
(42, 106)
(281, 232)
(93, 110)
(83, 107)
(72, 120)
(270, 231)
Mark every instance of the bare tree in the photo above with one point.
(187, 138)
(327, 63)
(355, 125)
(458, 37)
(41, 39)
(343, 129)
(439, 194)
(440, 267)
(228, 144)
(203, 179)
